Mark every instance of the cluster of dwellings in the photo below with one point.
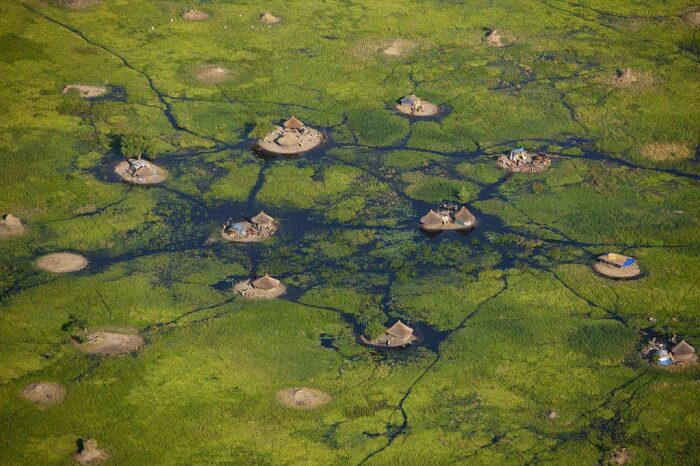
(292, 138)
(680, 354)
(140, 171)
(257, 228)
(520, 160)
(448, 217)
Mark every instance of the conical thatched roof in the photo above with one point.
(682, 349)
(293, 123)
(464, 215)
(266, 283)
(289, 139)
(431, 218)
(262, 219)
(400, 330)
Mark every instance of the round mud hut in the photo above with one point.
(415, 106)
(448, 217)
(618, 266)
(398, 335)
(683, 352)
(253, 230)
(292, 138)
(139, 171)
(10, 226)
(521, 161)
(264, 287)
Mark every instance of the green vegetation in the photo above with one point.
(513, 323)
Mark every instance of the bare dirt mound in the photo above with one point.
(194, 15)
(398, 48)
(624, 77)
(285, 142)
(610, 271)
(140, 172)
(10, 226)
(212, 74)
(62, 262)
(88, 453)
(269, 18)
(77, 4)
(693, 18)
(111, 343)
(493, 38)
(86, 91)
(661, 152)
(302, 398)
(44, 393)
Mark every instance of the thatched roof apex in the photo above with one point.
(400, 330)
(683, 349)
(266, 283)
(293, 123)
(431, 218)
(262, 219)
(464, 215)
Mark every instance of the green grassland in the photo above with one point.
(515, 324)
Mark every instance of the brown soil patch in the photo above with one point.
(661, 152)
(151, 174)
(269, 19)
(111, 343)
(624, 77)
(62, 262)
(194, 15)
(212, 74)
(85, 91)
(89, 454)
(693, 18)
(289, 142)
(44, 393)
(302, 398)
(246, 290)
(10, 226)
(77, 4)
(494, 39)
(611, 271)
(427, 109)
(398, 48)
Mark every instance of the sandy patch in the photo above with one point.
(62, 262)
(77, 4)
(144, 172)
(212, 74)
(44, 393)
(89, 453)
(85, 91)
(111, 343)
(693, 18)
(611, 271)
(289, 142)
(494, 39)
(11, 226)
(398, 48)
(302, 398)
(661, 152)
(194, 15)
(269, 18)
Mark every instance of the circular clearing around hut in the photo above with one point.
(111, 343)
(427, 109)
(147, 173)
(246, 290)
(398, 48)
(85, 91)
(269, 19)
(44, 393)
(62, 262)
(212, 74)
(302, 398)
(620, 273)
(11, 226)
(89, 453)
(194, 15)
(284, 142)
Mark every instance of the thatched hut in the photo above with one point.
(139, 171)
(398, 335)
(683, 352)
(293, 123)
(292, 138)
(258, 228)
(620, 266)
(448, 218)
(415, 106)
(265, 287)
(262, 219)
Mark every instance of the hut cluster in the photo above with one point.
(292, 138)
(139, 171)
(520, 160)
(415, 106)
(448, 217)
(257, 228)
(669, 353)
(264, 287)
(613, 265)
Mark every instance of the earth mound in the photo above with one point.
(89, 453)
(283, 141)
(85, 91)
(269, 18)
(494, 39)
(415, 106)
(62, 262)
(212, 74)
(139, 171)
(624, 77)
(194, 15)
(111, 343)
(661, 152)
(398, 48)
(261, 288)
(44, 393)
(10, 226)
(302, 398)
